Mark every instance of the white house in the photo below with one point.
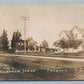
(65, 34)
(77, 33)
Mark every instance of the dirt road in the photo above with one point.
(46, 57)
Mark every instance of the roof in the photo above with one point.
(32, 41)
(80, 30)
(66, 32)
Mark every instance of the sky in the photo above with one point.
(46, 21)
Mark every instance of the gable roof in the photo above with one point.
(66, 32)
(80, 30)
(32, 41)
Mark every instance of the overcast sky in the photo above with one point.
(46, 20)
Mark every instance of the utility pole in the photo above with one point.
(25, 19)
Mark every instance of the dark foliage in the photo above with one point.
(16, 38)
(4, 41)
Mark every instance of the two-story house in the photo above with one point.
(76, 32)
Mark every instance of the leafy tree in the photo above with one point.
(56, 43)
(70, 43)
(4, 41)
(77, 43)
(16, 38)
(45, 44)
(63, 43)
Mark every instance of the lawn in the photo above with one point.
(44, 69)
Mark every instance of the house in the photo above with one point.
(30, 44)
(65, 34)
(40, 49)
(76, 33)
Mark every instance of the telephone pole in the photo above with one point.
(25, 19)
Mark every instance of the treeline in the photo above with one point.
(12, 46)
(16, 39)
(4, 43)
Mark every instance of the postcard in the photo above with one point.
(41, 42)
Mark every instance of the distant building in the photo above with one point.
(30, 44)
(31, 41)
(76, 32)
(65, 34)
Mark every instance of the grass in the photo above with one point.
(41, 66)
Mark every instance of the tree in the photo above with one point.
(4, 41)
(70, 43)
(63, 43)
(16, 38)
(45, 44)
(77, 43)
(56, 43)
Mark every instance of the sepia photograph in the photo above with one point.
(41, 42)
